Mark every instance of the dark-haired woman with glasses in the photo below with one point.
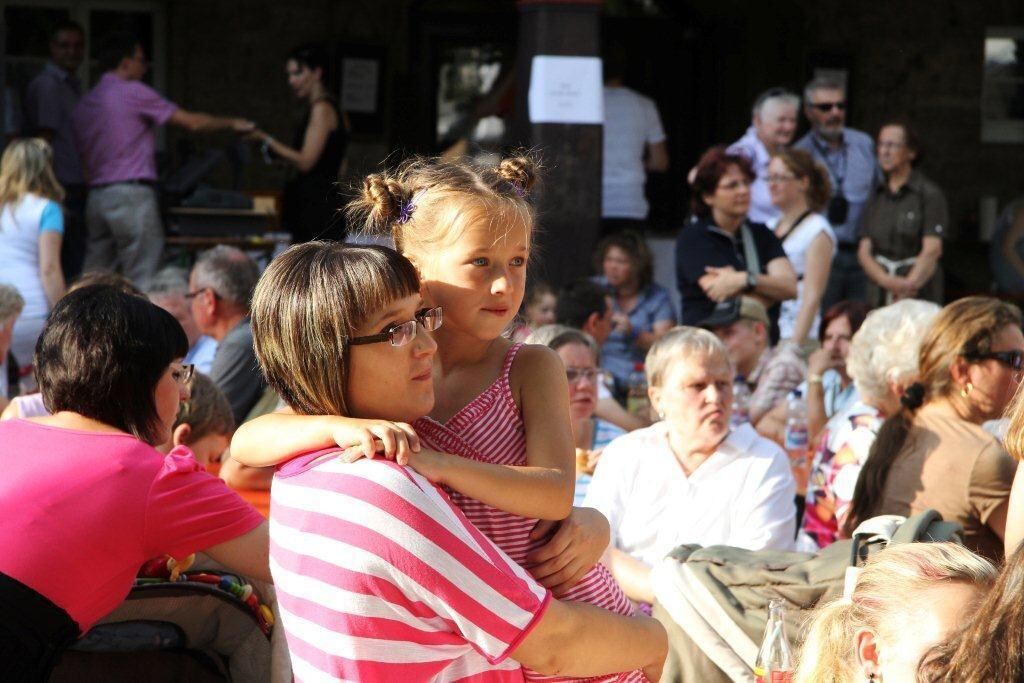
(311, 203)
(85, 490)
(715, 250)
(580, 353)
(933, 452)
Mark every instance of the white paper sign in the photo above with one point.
(566, 90)
(359, 79)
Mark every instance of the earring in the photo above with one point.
(966, 390)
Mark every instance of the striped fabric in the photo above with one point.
(490, 429)
(380, 578)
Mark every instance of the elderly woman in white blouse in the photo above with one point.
(688, 478)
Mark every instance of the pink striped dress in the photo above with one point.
(490, 429)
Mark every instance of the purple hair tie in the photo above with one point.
(405, 213)
(515, 188)
(408, 207)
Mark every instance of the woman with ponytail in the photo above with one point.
(933, 453)
(906, 599)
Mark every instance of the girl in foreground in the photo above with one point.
(501, 408)
(379, 576)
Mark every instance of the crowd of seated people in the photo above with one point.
(496, 464)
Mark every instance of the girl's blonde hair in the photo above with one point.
(427, 203)
(889, 591)
(27, 166)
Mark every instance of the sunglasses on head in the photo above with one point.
(1011, 359)
(828, 106)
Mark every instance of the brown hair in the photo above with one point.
(712, 166)
(207, 410)
(27, 166)
(853, 311)
(635, 247)
(426, 203)
(964, 327)
(990, 646)
(106, 278)
(803, 165)
(309, 299)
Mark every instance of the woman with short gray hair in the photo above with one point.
(882, 362)
(688, 478)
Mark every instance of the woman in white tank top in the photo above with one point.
(800, 187)
(31, 230)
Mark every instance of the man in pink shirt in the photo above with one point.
(114, 128)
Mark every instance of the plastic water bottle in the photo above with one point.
(637, 401)
(796, 439)
(740, 402)
(774, 662)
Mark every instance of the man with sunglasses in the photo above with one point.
(849, 156)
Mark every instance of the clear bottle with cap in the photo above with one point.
(796, 439)
(637, 401)
(774, 662)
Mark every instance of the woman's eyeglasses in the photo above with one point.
(1011, 359)
(592, 375)
(401, 334)
(183, 375)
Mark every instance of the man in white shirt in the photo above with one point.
(771, 130)
(634, 143)
(688, 478)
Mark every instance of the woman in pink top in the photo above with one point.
(378, 575)
(85, 497)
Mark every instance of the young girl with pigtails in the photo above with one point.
(499, 437)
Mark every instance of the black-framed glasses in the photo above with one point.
(593, 375)
(401, 334)
(192, 295)
(826, 107)
(1011, 359)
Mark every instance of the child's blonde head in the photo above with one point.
(427, 204)
(26, 167)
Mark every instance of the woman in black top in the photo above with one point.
(711, 262)
(312, 202)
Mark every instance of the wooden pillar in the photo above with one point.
(569, 203)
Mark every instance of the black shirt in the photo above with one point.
(700, 243)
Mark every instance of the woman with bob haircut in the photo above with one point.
(907, 599)
(932, 452)
(85, 490)
(711, 256)
(415, 592)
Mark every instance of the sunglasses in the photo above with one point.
(1011, 359)
(828, 106)
(401, 334)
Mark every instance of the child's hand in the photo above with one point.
(366, 438)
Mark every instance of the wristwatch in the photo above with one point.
(751, 282)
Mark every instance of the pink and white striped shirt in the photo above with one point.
(380, 577)
(490, 429)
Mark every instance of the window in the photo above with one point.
(1002, 90)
